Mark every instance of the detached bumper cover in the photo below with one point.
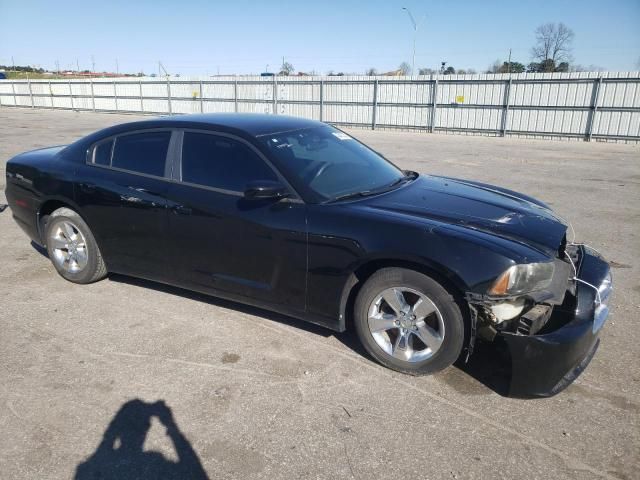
(543, 365)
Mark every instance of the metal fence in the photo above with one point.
(598, 106)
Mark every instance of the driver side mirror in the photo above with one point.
(266, 189)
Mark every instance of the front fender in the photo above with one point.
(343, 241)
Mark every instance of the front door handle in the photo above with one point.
(182, 210)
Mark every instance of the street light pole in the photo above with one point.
(415, 34)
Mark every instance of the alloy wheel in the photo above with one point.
(406, 324)
(69, 247)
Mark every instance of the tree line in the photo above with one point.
(550, 53)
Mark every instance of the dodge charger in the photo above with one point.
(299, 217)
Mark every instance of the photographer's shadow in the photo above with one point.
(120, 454)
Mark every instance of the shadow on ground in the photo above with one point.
(120, 454)
(486, 366)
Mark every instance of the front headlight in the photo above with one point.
(528, 277)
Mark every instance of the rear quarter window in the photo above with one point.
(102, 153)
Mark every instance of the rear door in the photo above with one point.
(122, 193)
(222, 242)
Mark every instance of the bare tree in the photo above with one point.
(553, 42)
(405, 68)
(427, 71)
(286, 69)
(371, 72)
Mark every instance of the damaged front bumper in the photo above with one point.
(544, 364)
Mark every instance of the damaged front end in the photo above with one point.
(551, 334)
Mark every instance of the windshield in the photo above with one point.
(330, 164)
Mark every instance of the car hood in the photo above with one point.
(476, 206)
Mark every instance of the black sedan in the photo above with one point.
(299, 217)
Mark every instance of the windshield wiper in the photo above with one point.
(365, 193)
(404, 179)
(347, 196)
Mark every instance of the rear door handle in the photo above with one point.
(182, 210)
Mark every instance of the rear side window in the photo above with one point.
(102, 153)
(142, 152)
(220, 162)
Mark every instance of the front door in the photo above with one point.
(220, 241)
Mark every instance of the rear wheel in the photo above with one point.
(72, 248)
(409, 322)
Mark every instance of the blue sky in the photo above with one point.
(239, 36)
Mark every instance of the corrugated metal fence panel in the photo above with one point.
(299, 98)
(404, 104)
(562, 104)
(348, 103)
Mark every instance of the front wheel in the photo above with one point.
(72, 248)
(409, 322)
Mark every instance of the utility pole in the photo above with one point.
(77, 66)
(161, 68)
(415, 34)
(509, 63)
(58, 67)
(13, 64)
(93, 64)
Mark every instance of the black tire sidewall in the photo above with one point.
(443, 299)
(86, 275)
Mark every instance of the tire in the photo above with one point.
(72, 248)
(433, 316)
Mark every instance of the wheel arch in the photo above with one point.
(48, 206)
(448, 279)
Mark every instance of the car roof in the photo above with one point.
(254, 124)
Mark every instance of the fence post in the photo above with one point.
(235, 94)
(201, 101)
(71, 94)
(93, 96)
(505, 107)
(275, 95)
(30, 92)
(115, 94)
(321, 100)
(13, 89)
(594, 108)
(141, 100)
(169, 95)
(374, 106)
(434, 103)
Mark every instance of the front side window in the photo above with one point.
(221, 162)
(329, 163)
(144, 152)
